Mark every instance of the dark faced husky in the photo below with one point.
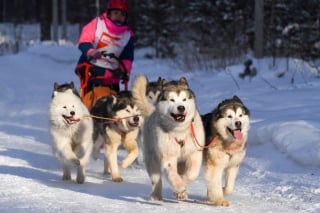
(226, 130)
(173, 132)
(117, 123)
(154, 88)
(70, 129)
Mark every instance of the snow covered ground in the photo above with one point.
(280, 172)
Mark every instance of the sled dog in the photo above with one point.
(153, 89)
(226, 129)
(117, 123)
(169, 145)
(70, 129)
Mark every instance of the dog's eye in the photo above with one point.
(240, 115)
(229, 116)
(184, 100)
(127, 110)
(64, 107)
(172, 100)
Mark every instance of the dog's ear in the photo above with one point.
(163, 82)
(159, 81)
(114, 99)
(236, 98)
(111, 101)
(183, 81)
(55, 86)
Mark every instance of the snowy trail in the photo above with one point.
(280, 172)
(31, 181)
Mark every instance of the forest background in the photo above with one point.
(203, 34)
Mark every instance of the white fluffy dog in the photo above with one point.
(70, 129)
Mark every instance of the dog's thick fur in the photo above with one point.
(228, 126)
(71, 131)
(120, 128)
(169, 145)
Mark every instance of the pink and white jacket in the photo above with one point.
(102, 34)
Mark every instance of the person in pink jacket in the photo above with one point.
(107, 47)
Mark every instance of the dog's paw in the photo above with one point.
(181, 195)
(66, 177)
(117, 179)
(80, 178)
(155, 198)
(223, 203)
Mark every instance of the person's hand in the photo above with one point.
(117, 73)
(125, 77)
(94, 54)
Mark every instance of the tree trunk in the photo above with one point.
(97, 8)
(64, 19)
(258, 28)
(55, 23)
(4, 14)
(45, 20)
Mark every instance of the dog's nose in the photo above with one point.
(72, 113)
(181, 109)
(136, 119)
(238, 124)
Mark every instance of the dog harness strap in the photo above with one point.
(105, 118)
(197, 142)
(83, 74)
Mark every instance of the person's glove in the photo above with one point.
(125, 77)
(94, 54)
(117, 73)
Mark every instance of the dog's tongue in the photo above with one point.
(73, 120)
(238, 134)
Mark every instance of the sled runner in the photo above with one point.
(91, 92)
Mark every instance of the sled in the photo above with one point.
(90, 94)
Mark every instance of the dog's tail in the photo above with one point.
(139, 89)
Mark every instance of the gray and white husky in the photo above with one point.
(226, 130)
(117, 123)
(70, 129)
(173, 132)
(154, 88)
(153, 91)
